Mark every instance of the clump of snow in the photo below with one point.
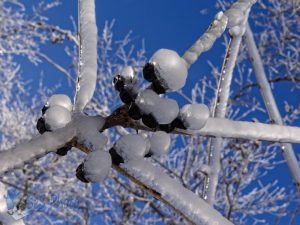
(146, 100)
(60, 100)
(160, 143)
(170, 69)
(57, 117)
(194, 116)
(97, 166)
(131, 146)
(163, 110)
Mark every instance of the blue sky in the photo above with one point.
(173, 24)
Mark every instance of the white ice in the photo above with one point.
(131, 146)
(194, 116)
(60, 100)
(57, 117)
(97, 166)
(171, 68)
(160, 143)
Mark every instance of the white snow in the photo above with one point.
(183, 199)
(165, 110)
(131, 146)
(160, 143)
(194, 116)
(60, 100)
(87, 75)
(171, 69)
(146, 100)
(57, 117)
(97, 166)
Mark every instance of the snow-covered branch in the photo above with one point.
(87, 71)
(270, 103)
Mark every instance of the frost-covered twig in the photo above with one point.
(87, 71)
(270, 103)
(238, 17)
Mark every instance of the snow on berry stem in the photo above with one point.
(237, 30)
(270, 103)
(87, 68)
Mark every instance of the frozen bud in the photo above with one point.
(160, 143)
(128, 75)
(40, 125)
(131, 146)
(126, 97)
(149, 72)
(57, 117)
(97, 166)
(170, 69)
(165, 111)
(80, 174)
(194, 116)
(146, 100)
(60, 100)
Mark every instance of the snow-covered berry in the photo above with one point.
(169, 68)
(131, 146)
(165, 111)
(97, 166)
(194, 116)
(56, 117)
(59, 100)
(160, 143)
(40, 125)
(128, 75)
(146, 100)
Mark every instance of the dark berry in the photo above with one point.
(80, 174)
(148, 155)
(168, 128)
(115, 157)
(40, 125)
(126, 97)
(177, 123)
(149, 72)
(118, 83)
(156, 87)
(44, 109)
(149, 121)
(134, 112)
(63, 151)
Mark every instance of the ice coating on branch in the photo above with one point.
(181, 198)
(146, 100)
(206, 41)
(237, 16)
(194, 116)
(165, 111)
(60, 100)
(57, 117)
(87, 75)
(131, 146)
(160, 143)
(170, 69)
(97, 166)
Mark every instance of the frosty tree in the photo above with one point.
(199, 183)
